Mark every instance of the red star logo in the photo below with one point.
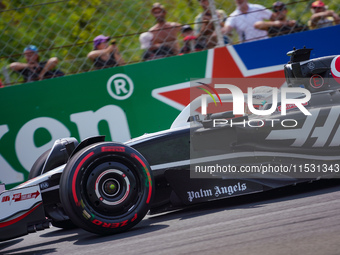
(222, 63)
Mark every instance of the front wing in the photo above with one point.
(22, 212)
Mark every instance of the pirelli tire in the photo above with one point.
(106, 188)
(35, 171)
(38, 165)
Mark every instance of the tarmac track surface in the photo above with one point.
(304, 219)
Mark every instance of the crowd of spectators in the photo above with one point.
(250, 21)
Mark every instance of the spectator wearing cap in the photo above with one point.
(105, 53)
(190, 41)
(33, 69)
(280, 24)
(243, 19)
(204, 27)
(164, 41)
(321, 16)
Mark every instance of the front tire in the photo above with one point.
(106, 188)
(38, 165)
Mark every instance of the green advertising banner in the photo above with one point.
(120, 103)
(128, 101)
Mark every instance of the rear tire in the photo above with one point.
(106, 188)
(35, 171)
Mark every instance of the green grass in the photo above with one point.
(65, 29)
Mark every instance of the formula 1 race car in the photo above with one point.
(108, 187)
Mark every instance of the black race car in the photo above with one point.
(108, 187)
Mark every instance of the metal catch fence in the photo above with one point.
(66, 29)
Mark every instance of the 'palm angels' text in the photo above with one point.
(217, 191)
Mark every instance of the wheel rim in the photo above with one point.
(111, 188)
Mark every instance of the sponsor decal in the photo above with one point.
(311, 65)
(291, 106)
(316, 81)
(5, 199)
(21, 197)
(113, 148)
(120, 86)
(178, 95)
(217, 191)
(86, 215)
(44, 185)
(115, 224)
(312, 131)
(335, 68)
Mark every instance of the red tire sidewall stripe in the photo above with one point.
(74, 179)
(148, 175)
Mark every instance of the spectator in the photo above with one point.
(204, 26)
(190, 40)
(207, 36)
(164, 41)
(322, 17)
(145, 40)
(280, 24)
(243, 20)
(35, 70)
(105, 53)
